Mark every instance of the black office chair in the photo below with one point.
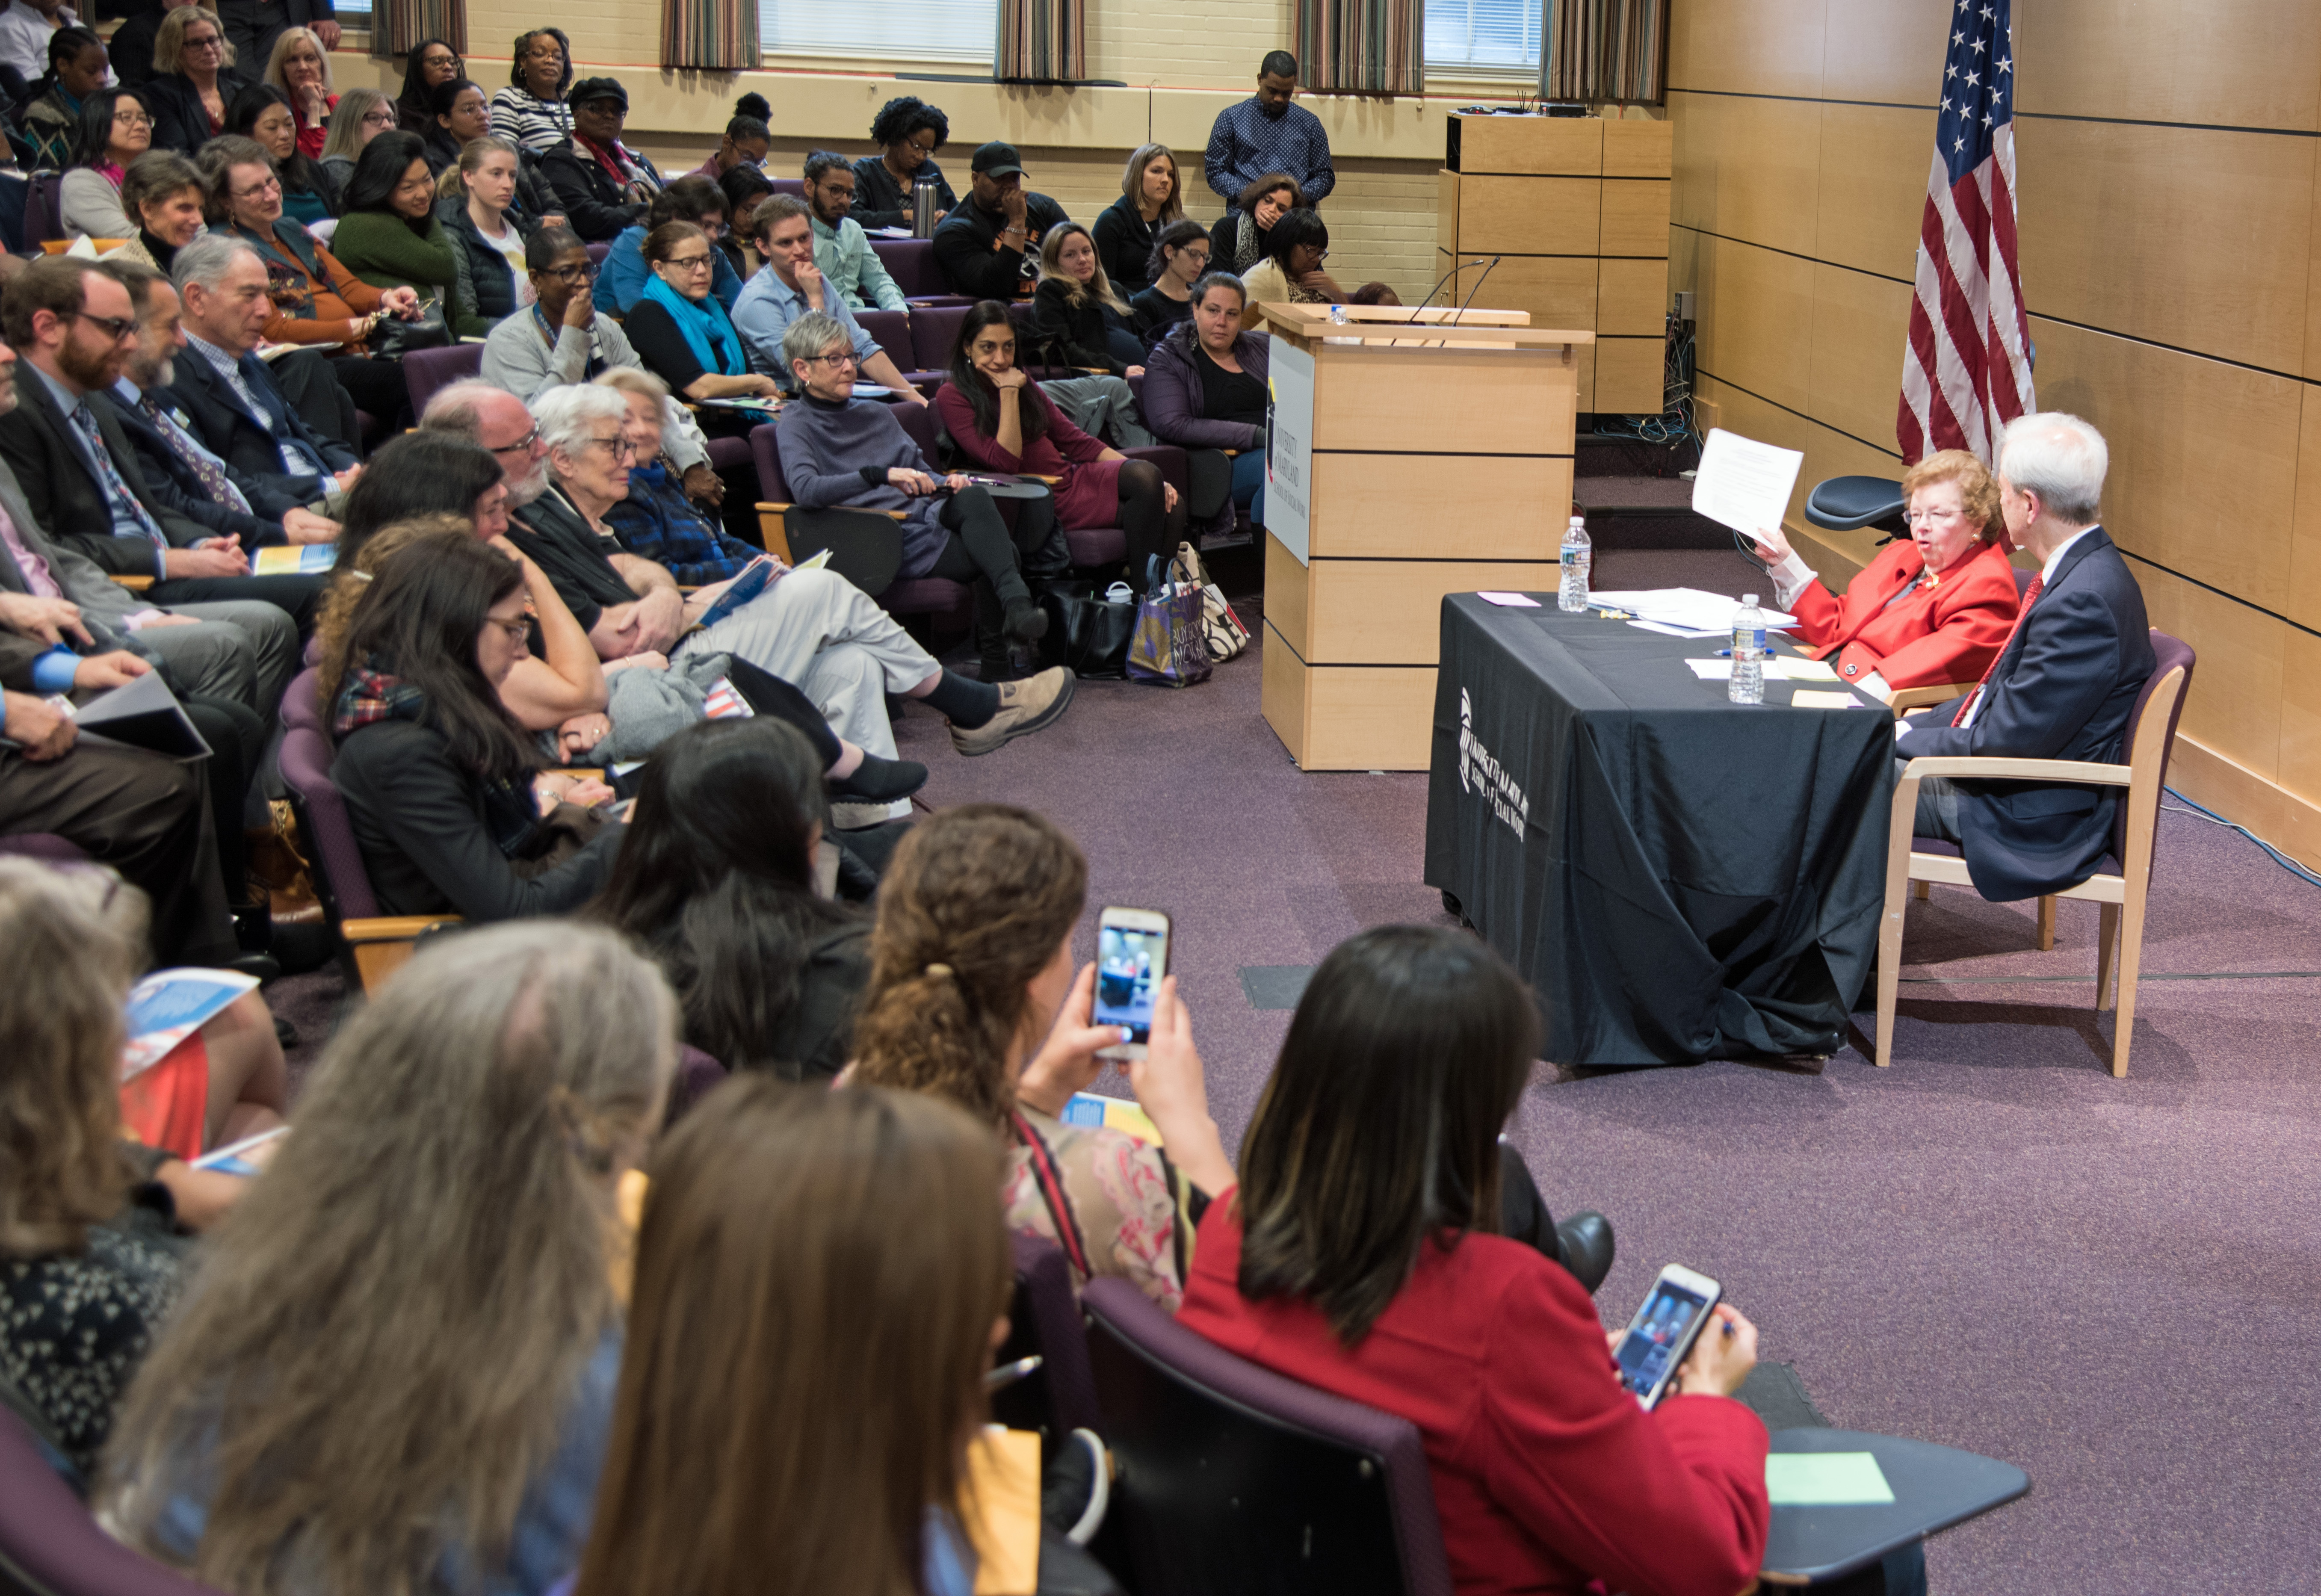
(1844, 504)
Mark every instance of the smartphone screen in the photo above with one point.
(1131, 955)
(1660, 1337)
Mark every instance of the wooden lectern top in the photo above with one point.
(1388, 325)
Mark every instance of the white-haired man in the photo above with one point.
(2062, 688)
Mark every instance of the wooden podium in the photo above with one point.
(1408, 461)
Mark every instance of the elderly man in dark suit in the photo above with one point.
(236, 405)
(2063, 687)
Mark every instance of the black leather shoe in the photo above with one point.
(1587, 1241)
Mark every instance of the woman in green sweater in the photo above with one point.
(389, 235)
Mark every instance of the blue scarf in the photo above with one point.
(708, 329)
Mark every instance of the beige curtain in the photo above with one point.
(1362, 47)
(1601, 50)
(710, 35)
(397, 26)
(1040, 41)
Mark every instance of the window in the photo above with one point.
(880, 30)
(1482, 38)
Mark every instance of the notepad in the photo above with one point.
(1827, 1480)
(1806, 698)
(1509, 600)
(1798, 669)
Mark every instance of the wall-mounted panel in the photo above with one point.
(1636, 216)
(1756, 320)
(1558, 290)
(1874, 162)
(1768, 47)
(2203, 455)
(2305, 537)
(1632, 297)
(1638, 147)
(1746, 168)
(1529, 216)
(2180, 236)
(1565, 146)
(2300, 715)
(2235, 705)
(1631, 376)
(1889, 50)
(2239, 63)
(1860, 325)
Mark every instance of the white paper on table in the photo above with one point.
(1709, 613)
(1742, 483)
(1777, 668)
(1510, 600)
(1806, 698)
(1665, 630)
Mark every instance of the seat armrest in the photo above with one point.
(134, 584)
(393, 927)
(1986, 769)
(1898, 700)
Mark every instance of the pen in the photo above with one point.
(1009, 1373)
(1616, 614)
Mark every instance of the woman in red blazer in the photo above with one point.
(1359, 1254)
(1935, 609)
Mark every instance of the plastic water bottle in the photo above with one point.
(1578, 555)
(1748, 684)
(1338, 316)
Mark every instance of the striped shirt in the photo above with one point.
(532, 121)
(1246, 144)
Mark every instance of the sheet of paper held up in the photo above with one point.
(1827, 1480)
(1744, 483)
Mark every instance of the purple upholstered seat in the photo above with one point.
(697, 1075)
(1044, 1319)
(49, 1546)
(42, 845)
(1234, 1479)
(935, 596)
(306, 753)
(910, 263)
(427, 371)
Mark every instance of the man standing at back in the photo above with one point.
(2062, 689)
(1266, 133)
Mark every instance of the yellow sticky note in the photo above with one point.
(1806, 698)
(1002, 1513)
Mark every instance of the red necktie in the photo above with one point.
(2030, 595)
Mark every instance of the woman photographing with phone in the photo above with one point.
(1364, 1253)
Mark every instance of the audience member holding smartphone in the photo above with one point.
(1361, 1254)
(821, 1280)
(973, 997)
(394, 1370)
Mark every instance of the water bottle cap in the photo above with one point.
(1748, 598)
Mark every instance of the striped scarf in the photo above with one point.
(374, 693)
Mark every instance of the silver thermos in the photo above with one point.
(922, 208)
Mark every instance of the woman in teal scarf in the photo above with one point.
(683, 334)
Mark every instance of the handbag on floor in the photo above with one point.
(1221, 629)
(1089, 627)
(1168, 648)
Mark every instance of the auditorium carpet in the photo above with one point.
(1994, 1245)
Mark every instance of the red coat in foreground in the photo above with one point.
(1950, 631)
(1546, 1473)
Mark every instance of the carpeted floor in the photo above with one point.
(1994, 1245)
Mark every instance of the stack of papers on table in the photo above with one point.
(1685, 611)
(1777, 668)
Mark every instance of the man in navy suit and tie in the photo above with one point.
(2063, 688)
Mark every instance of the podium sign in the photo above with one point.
(1411, 455)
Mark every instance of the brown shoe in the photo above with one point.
(1024, 707)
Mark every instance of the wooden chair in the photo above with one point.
(2123, 879)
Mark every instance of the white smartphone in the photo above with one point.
(1131, 955)
(1660, 1337)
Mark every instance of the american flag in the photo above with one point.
(1967, 372)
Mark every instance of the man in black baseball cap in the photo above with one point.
(604, 184)
(989, 246)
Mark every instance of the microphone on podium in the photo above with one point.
(1470, 299)
(1455, 268)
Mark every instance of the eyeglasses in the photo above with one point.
(847, 359)
(381, 117)
(132, 118)
(446, 59)
(521, 445)
(572, 275)
(621, 447)
(115, 327)
(687, 262)
(206, 41)
(271, 185)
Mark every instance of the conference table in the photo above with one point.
(1678, 877)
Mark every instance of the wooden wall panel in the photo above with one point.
(1637, 147)
(1756, 47)
(2196, 238)
(1630, 375)
(1889, 50)
(1530, 216)
(2304, 605)
(1558, 290)
(1632, 297)
(2243, 63)
(2235, 705)
(2312, 286)
(2301, 714)
(1446, 215)
(1860, 325)
(2203, 455)
(1563, 147)
(1756, 320)
(1746, 168)
(1485, 507)
(1874, 161)
(1636, 216)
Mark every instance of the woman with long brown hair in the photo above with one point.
(973, 998)
(1151, 198)
(821, 1280)
(394, 1370)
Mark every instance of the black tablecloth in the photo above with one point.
(1680, 877)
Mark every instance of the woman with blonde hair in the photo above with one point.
(394, 1370)
(1151, 198)
(1078, 317)
(821, 1280)
(193, 79)
(476, 202)
(1932, 609)
(300, 68)
(973, 997)
(360, 115)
